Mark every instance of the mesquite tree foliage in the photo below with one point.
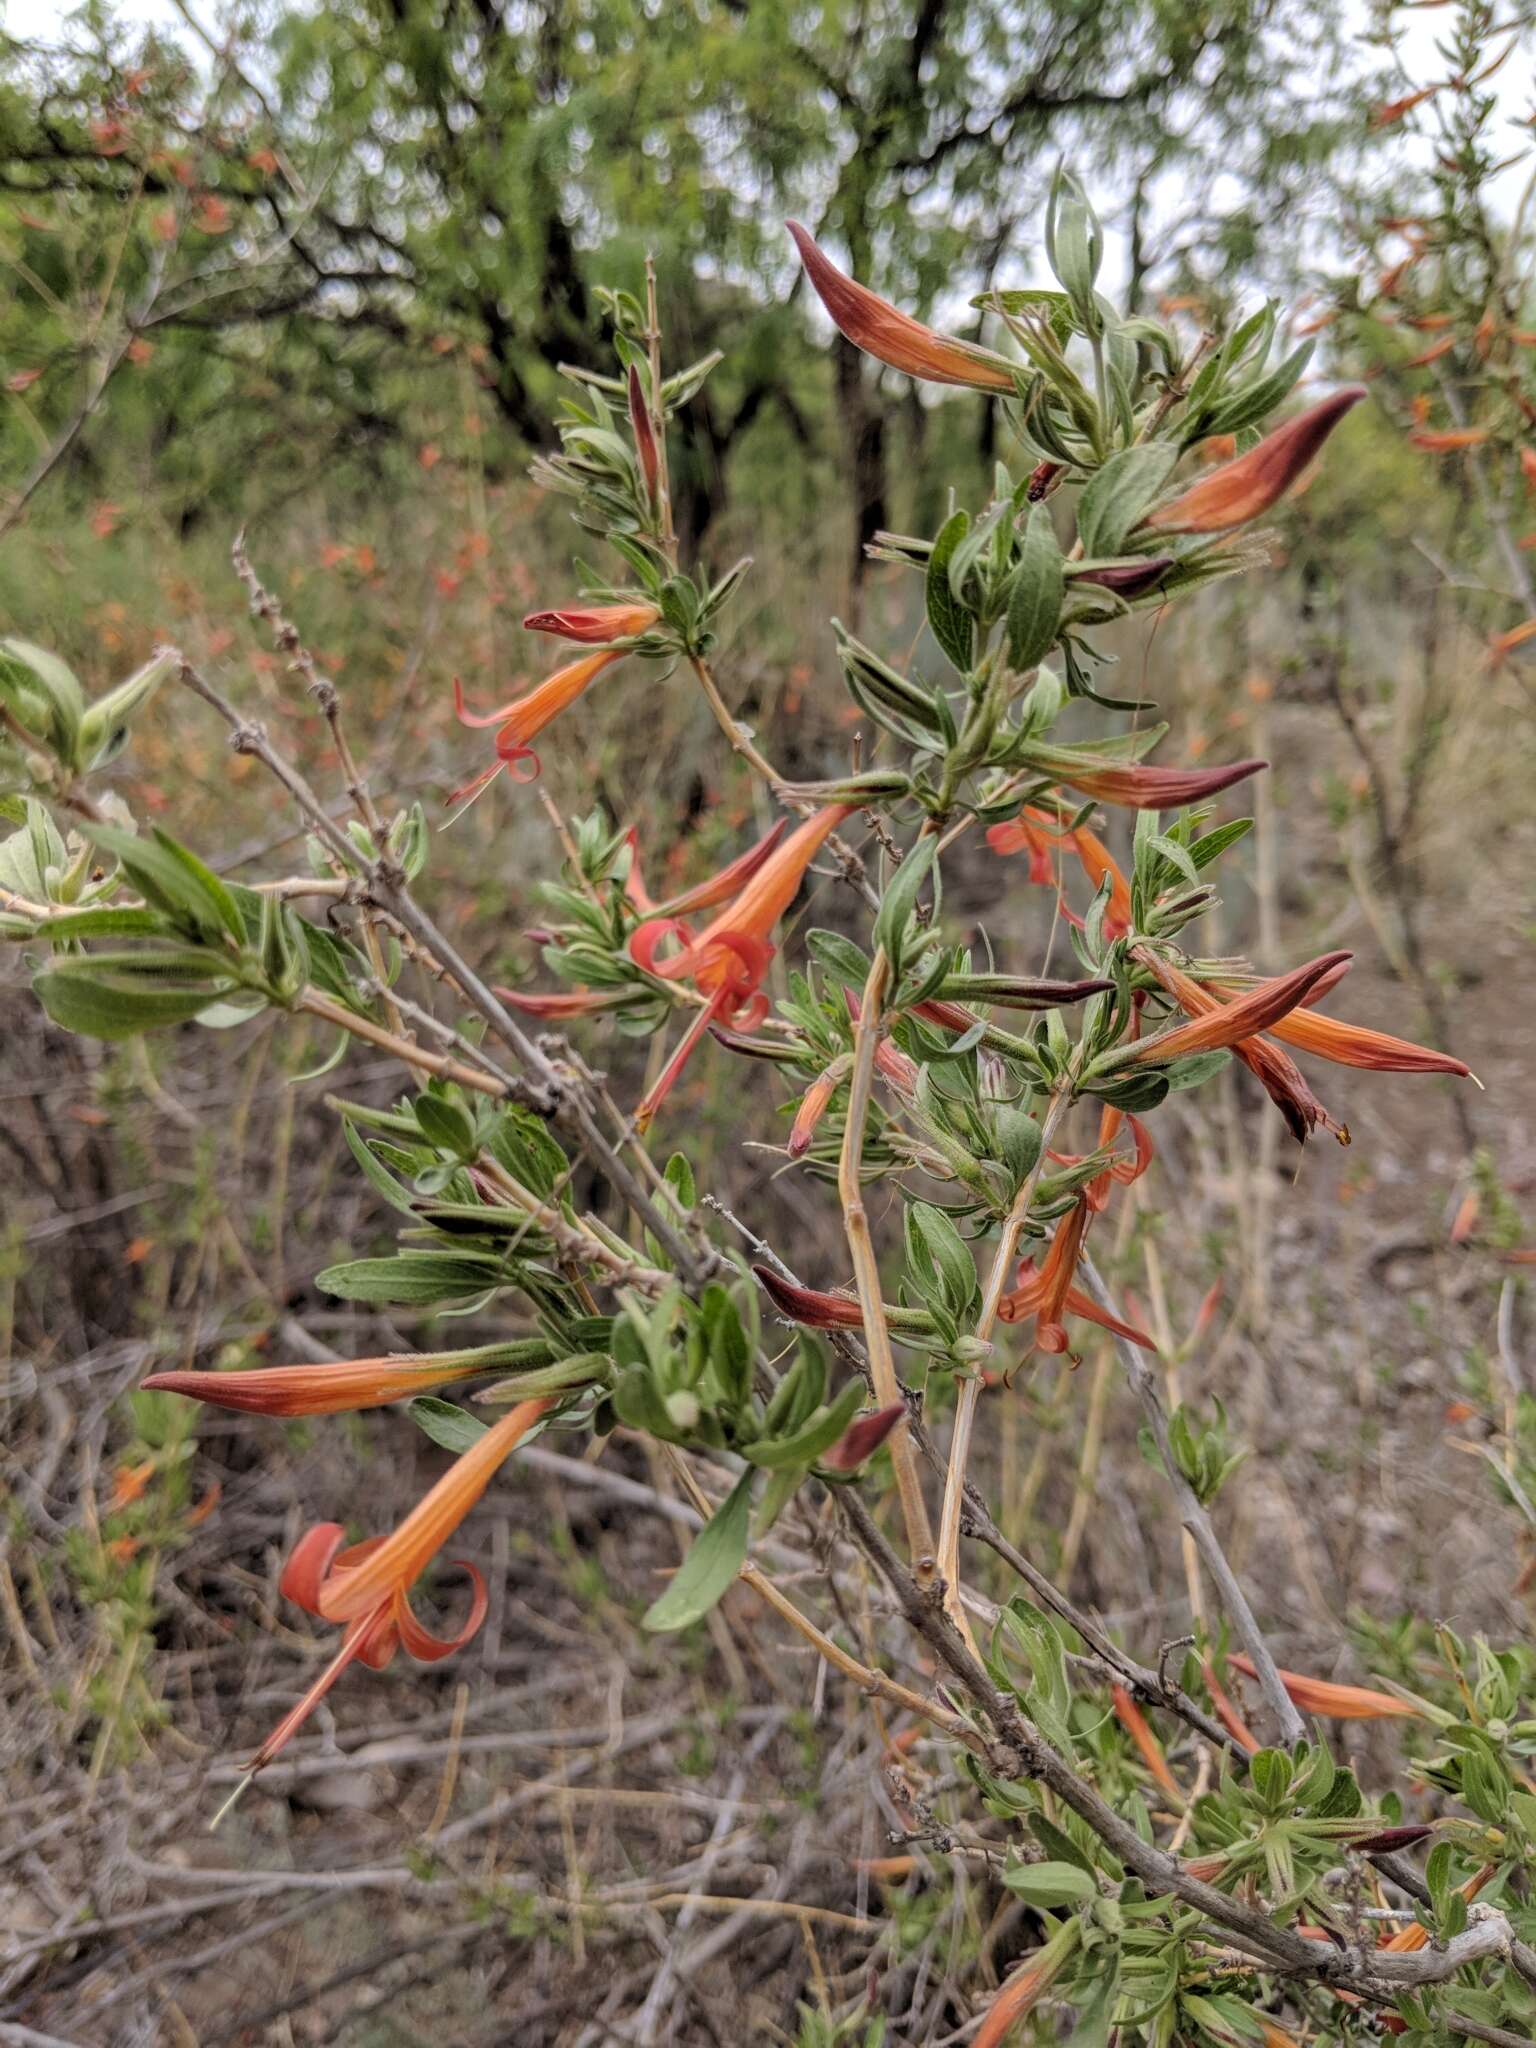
(1001, 1114)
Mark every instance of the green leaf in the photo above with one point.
(44, 695)
(814, 1436)
(1035, 599)
(167, 875)
(1118, 496)
(715, 1557)
(900, 900)
(953, 626)
(445, 1422)
(113, 1007)
(413, 1279)
(1050, 1884)
(445, 1125)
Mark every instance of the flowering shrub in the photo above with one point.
(1195, 1864)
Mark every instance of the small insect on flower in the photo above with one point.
(367, 1586)
(726, 962)
(1244, 490)
(874, 325)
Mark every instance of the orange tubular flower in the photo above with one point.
(813, 1105)
(720, 888)
(324, 1389)
(1134, 786)
(596, 624)
(525, 718)
(1335, 1702)
(1228, 1715)
(1026, 1987)
(1276, 1072)
(728, 959)
(1250, 486)
(367, 1586)
(576, 1002)
(1448, 440)
(1355, 1045)
(1503, 644)
(1048, 1295)
(1409, 1940)
(1034, 832)
(1216, 1024)
(874, 325)
(1137, 1726)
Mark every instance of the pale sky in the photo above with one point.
(1422, 27)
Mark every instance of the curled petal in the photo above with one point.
(308, 1563)
(419, 1642)
(400, 1559)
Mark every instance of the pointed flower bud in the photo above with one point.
(862, 1438)
(874, 325)
(1249, 487)
(1228, 1023)
(1132, 784)
(329, 1389)
(594, 624)
(645, 435)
